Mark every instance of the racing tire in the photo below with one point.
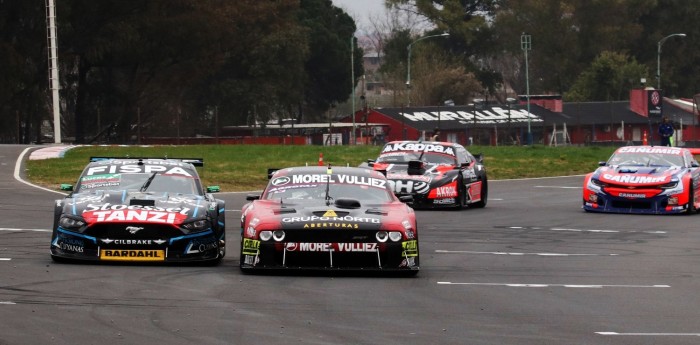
(461, 197)
(213, 262)
(60, 260)
(691, 202)
(484, 195)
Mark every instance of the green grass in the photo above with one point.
(244, 167)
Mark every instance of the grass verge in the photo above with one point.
(244, 167)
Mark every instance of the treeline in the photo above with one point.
(189, 67)
(172, 66)
(584, 50)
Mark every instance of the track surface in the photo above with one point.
(530, 268)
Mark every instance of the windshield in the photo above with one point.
(648, 159)
(170, 183)
(360, 188)
(405, 157)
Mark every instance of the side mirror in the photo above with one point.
(251, 197)
(370, 162)
(479, 157)
(67, 187)
(213, 189)
(602, 164)
(694, 164)
(408, 199)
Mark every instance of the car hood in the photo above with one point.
(637, 175)
(317, 215)
(400, 171)
(143, 207)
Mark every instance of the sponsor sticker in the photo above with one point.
(69, 244)
(330, 225)
(251, 247)
(410, 248)
(402, 146)
(634, 179)
(132, 255)
(99, 181)
(633, 195)
(332, 247)
(650, 149)
(146, 168)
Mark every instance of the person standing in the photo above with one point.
(665, 131)
(436, 135)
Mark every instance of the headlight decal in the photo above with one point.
(206, 233)
(70, 233)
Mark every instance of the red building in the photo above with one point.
(549, 120)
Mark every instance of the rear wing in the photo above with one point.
(198, 162)
(694, 151)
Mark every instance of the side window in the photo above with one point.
(462, 156)
(690, 159)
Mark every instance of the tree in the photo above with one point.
(609, 78)
(328, 72)
(24, 99)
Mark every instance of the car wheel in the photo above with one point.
(691, 201)
(484, 195)
(461, 196)
(60, 260)
(214, 262)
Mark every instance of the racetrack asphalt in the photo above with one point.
(530, 268)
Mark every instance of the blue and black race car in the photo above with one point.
(436, 174)
(139, 209)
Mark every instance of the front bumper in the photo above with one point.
(202, 246)
(362, 256)
(610, 204)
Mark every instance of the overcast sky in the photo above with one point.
(361, 9)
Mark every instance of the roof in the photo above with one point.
(487, 116)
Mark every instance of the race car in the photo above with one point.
(328, 218)
(644, 179)
(436, 174)
(139, 210)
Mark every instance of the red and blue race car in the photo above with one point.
(644, 179)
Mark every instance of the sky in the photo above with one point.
(361, 10)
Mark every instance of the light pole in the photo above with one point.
(510, 102)
(408, 75)
(658, 58)
(526, 45)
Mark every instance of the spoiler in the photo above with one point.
(271, 171)
(694, 151)
(198, 162)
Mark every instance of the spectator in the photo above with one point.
(665, 132)
(436, 135)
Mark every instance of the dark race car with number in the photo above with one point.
(644, 179)
(139, 210)
(436, 174)
(323, 218)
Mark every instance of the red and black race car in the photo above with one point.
(324, 218)
(139, 209)
(436, 174)
(644, 179)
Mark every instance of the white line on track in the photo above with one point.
(517, 254)
(5, 259)
(581, 230)
(7, 302)
(18, 229)
(580, 286)
(652, 334)
(559, 187)
(18, 164)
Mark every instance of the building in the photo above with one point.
(550, 121)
